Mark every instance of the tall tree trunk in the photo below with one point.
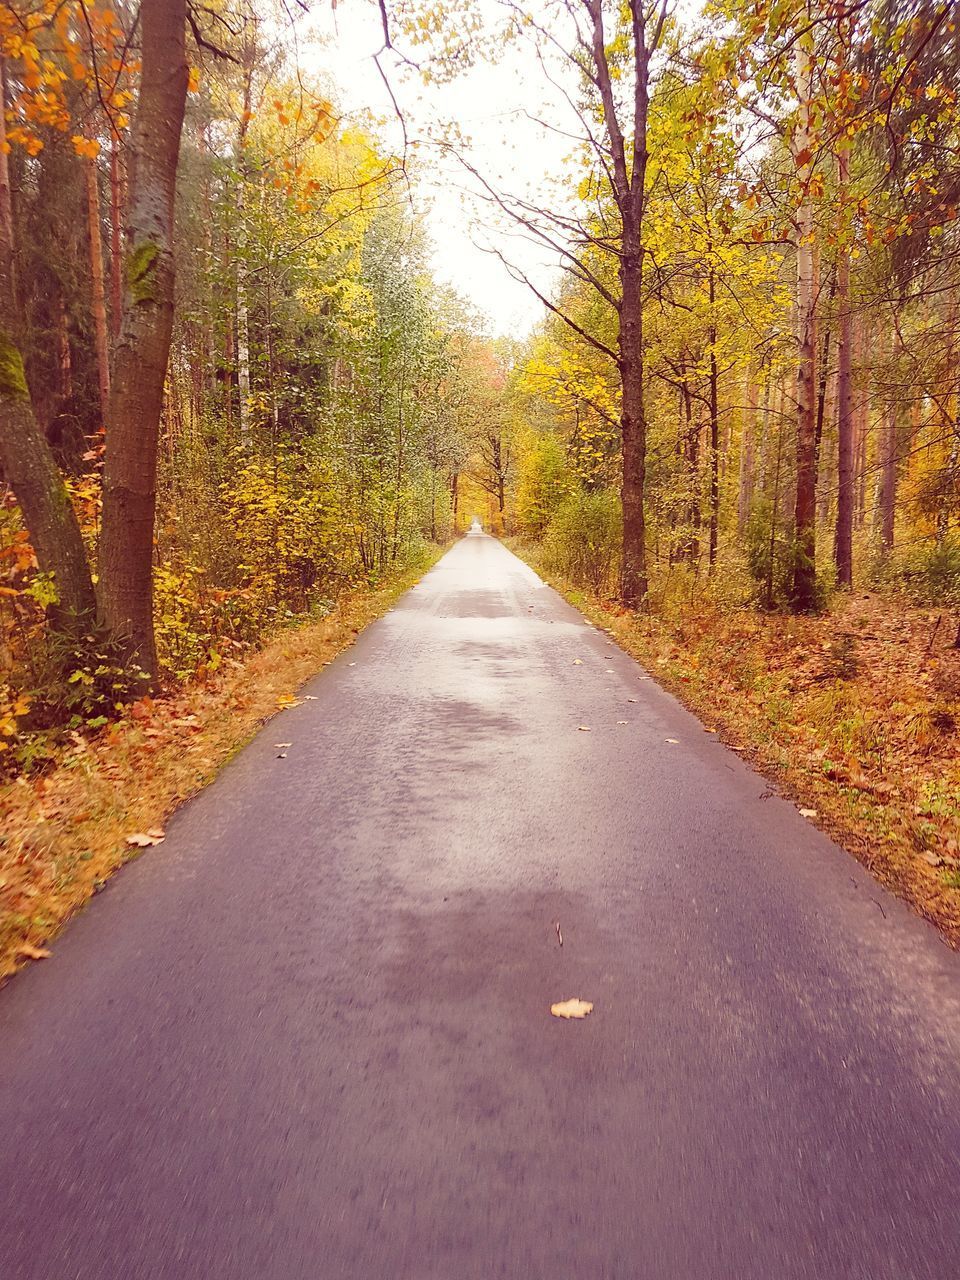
(98, 300)
(64, 360)
(27, 462)
(143, 347)
(746, 478)
(116, 247)
(628, 179)
(690, 546)
(887, 494)
(714, 429)
(243, 301)
(243, 341)
(633, 572)
(861, 422)
(843, 545)
(803, 595)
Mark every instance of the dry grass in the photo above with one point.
(64, 833)
(855, 713)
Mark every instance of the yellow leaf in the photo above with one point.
(144, 839)
(575, 1008)
(32, 953)
(85, 146)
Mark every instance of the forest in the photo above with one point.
(235, 393)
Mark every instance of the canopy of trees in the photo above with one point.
(755, 344)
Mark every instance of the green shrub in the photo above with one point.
(583, 539)
(543, 484)
(928, 573)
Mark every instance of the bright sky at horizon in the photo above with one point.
(491, 104)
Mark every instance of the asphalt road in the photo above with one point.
(308, 1037)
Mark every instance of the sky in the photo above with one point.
(491, 104)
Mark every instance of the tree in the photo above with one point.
(27, 462)
(143, 344)
(804, 586)
(609, 48)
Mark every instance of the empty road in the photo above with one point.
(309, 1038)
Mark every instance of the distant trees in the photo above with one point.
(799, 298)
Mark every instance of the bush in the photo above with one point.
(929, 574)
(583, 539)
(772, 567)
(770, 562)
(543, 484)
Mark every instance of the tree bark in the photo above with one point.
(887, 495)
(714, 430)
(747, 430)
(27, 462)
(98, 300)
(803, 595)
(116, 222)
(843, 545)
(143, 346)
(633, 575)
(243, 303)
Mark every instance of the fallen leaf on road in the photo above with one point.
(575, 1008)
(309, 697)
(287, 700)
(144, 839)
(621, 722)
(282, 746)
(584, 728)
(633, 699)
(709, 730)
(32, 953)
(351, 664)
(578, 662)
(675, 741)
(808, 813)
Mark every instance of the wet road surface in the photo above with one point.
(309, 1037)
